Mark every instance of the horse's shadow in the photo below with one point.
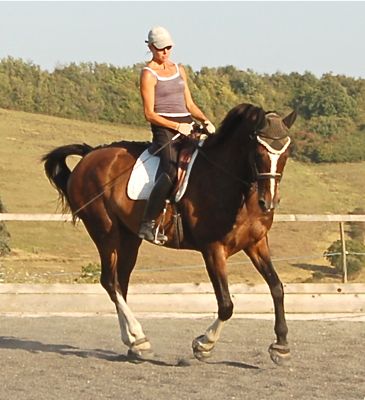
(32, 346)
(236, 364)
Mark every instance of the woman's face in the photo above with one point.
(160, 55)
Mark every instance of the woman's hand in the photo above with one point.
(210, 128)
(185, 128)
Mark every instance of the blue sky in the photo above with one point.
(264, 36)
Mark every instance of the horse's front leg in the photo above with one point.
(215, 261)
(259, 254)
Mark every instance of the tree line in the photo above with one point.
(331, 109)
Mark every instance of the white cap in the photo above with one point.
(159, 37)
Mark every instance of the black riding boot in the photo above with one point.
(153, 209)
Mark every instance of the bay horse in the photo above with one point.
(228, 207)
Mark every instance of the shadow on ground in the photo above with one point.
(316, 268)
(32, 346)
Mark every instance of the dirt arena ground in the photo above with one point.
(70, 358)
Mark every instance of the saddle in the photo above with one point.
(146, 169)
(185, 157)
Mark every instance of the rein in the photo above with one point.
(113, 181)
(258, 175)
(219, 167)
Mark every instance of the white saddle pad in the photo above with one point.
(143, 177)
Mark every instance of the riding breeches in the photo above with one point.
(162, 138)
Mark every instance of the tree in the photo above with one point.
(331, 109)
(326, 98)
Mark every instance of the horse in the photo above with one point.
(228, 207)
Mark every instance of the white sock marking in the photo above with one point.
(130, 328)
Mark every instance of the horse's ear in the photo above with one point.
(290, 119)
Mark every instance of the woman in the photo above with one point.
(170, 109)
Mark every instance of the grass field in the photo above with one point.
(57, 252)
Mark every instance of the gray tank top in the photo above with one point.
(169, 94)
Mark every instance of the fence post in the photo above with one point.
(343, 245)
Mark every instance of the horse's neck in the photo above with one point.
(232, 157)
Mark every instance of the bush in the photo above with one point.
(308, 146)
(90, 273)
(355, 258)
(330, 126)
(357, 229)
(4, 234)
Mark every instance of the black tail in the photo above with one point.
(57, 170)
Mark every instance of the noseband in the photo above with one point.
(267, 175)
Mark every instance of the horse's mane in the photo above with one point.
(245, 118)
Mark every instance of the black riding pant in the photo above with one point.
(170, 149)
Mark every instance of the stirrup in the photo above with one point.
(159, 238)
(146, 232)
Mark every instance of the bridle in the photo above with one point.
(257, 176)
(273, 153)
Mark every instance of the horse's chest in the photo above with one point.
(257, 230)
(247, 232)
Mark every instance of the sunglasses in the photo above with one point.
(165, 48)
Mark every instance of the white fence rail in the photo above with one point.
(183, 299)
(277, 218)
(36, 217)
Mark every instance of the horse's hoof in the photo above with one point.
(140, 355)
(140, 350)
(200, 353)
(279, 354)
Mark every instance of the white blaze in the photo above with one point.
(274, 158)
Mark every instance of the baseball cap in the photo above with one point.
(159, 37)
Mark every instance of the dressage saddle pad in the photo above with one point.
(144, 174)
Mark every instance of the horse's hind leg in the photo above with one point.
(260, 256)
(118, 252)
(131, 329)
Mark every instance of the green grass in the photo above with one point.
(26, 137)
(53, 251)
(322, 188)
